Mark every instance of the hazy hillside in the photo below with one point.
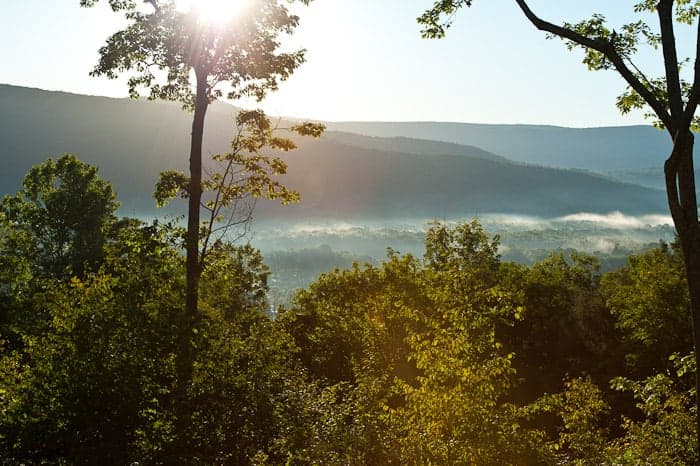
(340, 176)
(409, 145)
(597, 149)
(339, 180)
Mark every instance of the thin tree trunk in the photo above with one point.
(186, 357)
(195, 197)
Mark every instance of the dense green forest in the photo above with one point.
(455, 357)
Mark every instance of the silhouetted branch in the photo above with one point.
(694, 97)
(607, 48)
(668, 44)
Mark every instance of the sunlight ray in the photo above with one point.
(215, 11)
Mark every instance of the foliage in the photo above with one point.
(97, 377)
(413, 361)
(565, 330)
(163, 46)
(580, 441)
(55, 228)
(670, 99)
(666, 433)
(96, 381)
(420, 339)
(235, 281)
(241, 373)
(60, 219)
(243, 175)
(650, 302)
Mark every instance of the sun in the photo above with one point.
(215, 11)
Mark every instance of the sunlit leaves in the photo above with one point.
(308, 129)
(170, 184)
(163, 46)
(686, 10)
(625, 42)
(65, 210)
(580, 407)
(434, 26)
(420, 337)
(667, 433)
(246, 172)
(606, 48)
(649, 299)
(116, 5)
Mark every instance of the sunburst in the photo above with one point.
(215, 11)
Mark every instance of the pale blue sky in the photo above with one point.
(366, 61)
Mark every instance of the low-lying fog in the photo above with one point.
(593, 233)
(297, 252)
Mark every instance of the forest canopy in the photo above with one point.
(455, 357)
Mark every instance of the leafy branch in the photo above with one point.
(241, 176)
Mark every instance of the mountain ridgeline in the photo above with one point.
(595, 149)
(342, 175)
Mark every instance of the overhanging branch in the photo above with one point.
(609, 51)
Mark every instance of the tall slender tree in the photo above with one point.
(673, 101)
(181, 54)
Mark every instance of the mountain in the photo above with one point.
(595, 149)
(410, 145)
(339, 181)
(340, 176)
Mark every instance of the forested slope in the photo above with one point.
(342, 175)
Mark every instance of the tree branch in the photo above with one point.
(694, 97)
(609, 51)
(639, 72)
(154, 3)
(668, 44)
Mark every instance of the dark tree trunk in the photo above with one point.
(195, 197)
(676, 115)
(682, 200)
(186, 355)
(691, 254)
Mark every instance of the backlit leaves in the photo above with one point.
(434, 26)
(163, 47)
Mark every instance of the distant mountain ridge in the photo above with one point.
(342, 175)
(594, 149)
(410, 145)
(357, 182)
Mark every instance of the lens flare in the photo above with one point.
(215, 11)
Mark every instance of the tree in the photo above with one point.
(673, 101)
(565, 330)
(165, 48)
(93, 383)
(241, 176)
(61, 218)
(649, 300)
(407, 359)
(89, 364)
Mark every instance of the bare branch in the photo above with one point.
(639, 72)
(154, 3)
(694, 97)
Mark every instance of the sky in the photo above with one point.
(366, 61)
